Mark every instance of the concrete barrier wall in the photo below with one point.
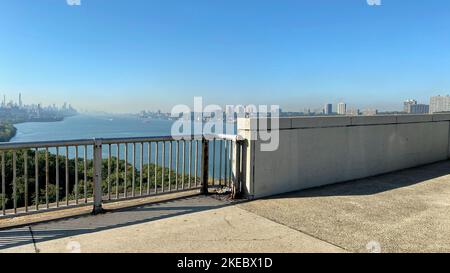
(316, 151)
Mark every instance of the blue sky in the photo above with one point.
(127, 55)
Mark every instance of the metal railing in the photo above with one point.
(41, 176)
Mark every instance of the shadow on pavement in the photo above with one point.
(34, 234)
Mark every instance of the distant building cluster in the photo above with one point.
(412, 107)
(438, 104)
(342, 109)
(17, 111)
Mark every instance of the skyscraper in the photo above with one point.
(407, 105)
(419, 109)
(328, 109)
(342, 108)
(20, 100)
(439, 104)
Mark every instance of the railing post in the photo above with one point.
(204, 166)
(237, 188)
(97, 177)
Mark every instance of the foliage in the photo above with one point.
(116, 180)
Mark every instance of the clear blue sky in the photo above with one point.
(127, 55)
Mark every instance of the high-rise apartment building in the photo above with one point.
(342, 108)
(440, 104)
(419, 109)
(328, 109)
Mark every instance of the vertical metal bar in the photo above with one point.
(117, 169)
(67, 175)
(177, 153)
(133, 172)
(109, 172)
(3, 184)
(183, 164)
(190, 162)
(237, 177)
(170, 164)
(141, 167)
(163, 161)
(76, 175)
(97, 157)
(85, 173)
(230, 164)
(213, 161)
(149, 154)
(196, 162)
(156, 167)
(14, 183)
(225, 170)
(47, 178)
(36, 178)
(220, 162)
(25, 179)
(57, 177)
(125, 190)
(204, 166)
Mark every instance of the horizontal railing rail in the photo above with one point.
(40, 176)
(91, 141)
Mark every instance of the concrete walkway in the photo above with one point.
(406, 211)
(194, 224)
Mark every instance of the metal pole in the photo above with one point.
(36, 175)
(133, 171)
(66, 163)
(47, 178)
(25, 166)
(141, 166)
(3, 184)
(14, 183)
(76, 175)
(97, 176)
(204, 166)
(109, 171)
(237, 171)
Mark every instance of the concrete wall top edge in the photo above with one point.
(252, 124)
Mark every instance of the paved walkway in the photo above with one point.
(406, 211)
(194, 224)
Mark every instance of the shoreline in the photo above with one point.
(8, 131)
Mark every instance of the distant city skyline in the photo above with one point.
(118, 56)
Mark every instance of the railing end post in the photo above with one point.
(204, 167)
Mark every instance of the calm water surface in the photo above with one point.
(90, 126)
(102, 126)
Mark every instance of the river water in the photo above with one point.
(90, 126)
(105, 126)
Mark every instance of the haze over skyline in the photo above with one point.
(125, 56)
